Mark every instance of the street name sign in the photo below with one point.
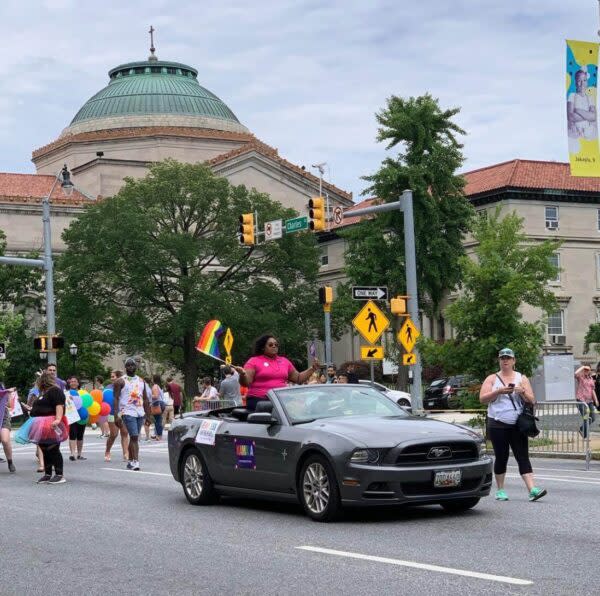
(274, 229)
(409, 359)
(370, 322)
(369, 293)
(296, 224)
(371, 352)
(408, 335)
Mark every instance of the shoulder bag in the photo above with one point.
(526, 421)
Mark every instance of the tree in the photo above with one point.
(506, 273)
(427, 165)
(592, 338)
(146, 269)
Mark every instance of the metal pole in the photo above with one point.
(411, 290)
(372, 372)
(327, 314)
(49, 270)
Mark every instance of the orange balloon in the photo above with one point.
(96, 395)
(93, 419)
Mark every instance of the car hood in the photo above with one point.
(389, 431)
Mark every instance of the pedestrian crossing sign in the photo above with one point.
(408, 335)
(370, 322)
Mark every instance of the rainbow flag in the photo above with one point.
(208, 343)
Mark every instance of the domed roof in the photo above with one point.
(154, 92)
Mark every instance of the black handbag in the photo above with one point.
(526, 422)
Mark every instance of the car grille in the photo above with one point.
(427, 488)
(414, 455)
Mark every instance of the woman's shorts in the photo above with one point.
(6, 419)
(133, 424)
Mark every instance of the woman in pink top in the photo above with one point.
(586, 392)
(268, 370)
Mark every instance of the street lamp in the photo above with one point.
(46, 263)
(73, 352)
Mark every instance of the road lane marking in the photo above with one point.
(590, 472)
(563, 479)
(424, 566)
(137, 472)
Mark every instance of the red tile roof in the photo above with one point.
(268, 151)
(31, 188)
(525, 173)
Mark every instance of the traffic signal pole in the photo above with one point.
(405, 204)
(327, 317)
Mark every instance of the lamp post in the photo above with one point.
(46, 263)
(73, 352)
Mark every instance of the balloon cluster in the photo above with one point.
(93, 406)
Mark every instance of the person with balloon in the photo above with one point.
(77, 430)
(115, 424)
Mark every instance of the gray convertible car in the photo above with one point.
(328, 447)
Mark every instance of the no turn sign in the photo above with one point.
(338, 215)
(273, 230)
(2, 351)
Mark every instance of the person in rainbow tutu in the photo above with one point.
(48, 427)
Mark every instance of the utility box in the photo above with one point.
(554, 379)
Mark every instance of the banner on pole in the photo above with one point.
(582, 123)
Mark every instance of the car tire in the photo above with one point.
(318, 489)
(404, 403)
(197, 484)
(459, 505)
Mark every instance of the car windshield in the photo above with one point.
(316, 402)
(438, 382)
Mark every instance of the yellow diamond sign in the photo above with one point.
(370, 322)
(408, 335)
(228, 341)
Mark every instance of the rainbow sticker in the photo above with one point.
(208, 343)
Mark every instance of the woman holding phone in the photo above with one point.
(505, 394)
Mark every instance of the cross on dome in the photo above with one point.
(152, 57)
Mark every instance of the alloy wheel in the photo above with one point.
(315, 488)
(193, 476)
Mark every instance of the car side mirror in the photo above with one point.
(261, 418)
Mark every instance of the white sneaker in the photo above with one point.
(136, 466)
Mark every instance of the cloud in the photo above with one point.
(305, 76)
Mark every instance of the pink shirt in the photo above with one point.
(585, 389)
(270, 373)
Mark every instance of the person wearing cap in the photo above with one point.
(586, 394)
(505, 394)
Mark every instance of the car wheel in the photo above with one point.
(196, 481)
(404, 403)
(318, 490)
(458, 505)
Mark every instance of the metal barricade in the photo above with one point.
(215, 404)
(565, 430)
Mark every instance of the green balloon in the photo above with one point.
(86, 400)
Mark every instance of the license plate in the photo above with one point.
(431, 403)
(447, 478)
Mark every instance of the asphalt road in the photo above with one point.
(111, 531)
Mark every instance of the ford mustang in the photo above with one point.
(328, 447)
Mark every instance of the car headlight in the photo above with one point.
(365, 456)
(482, 449)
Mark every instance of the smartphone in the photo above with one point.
(511, 384)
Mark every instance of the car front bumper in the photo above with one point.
(367, 485)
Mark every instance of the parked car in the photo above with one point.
(443, 392)
(400, 397)
(328, 447)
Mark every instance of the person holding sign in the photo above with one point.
(268, 370)
(5, 427)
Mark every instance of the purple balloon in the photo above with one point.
(77, 401)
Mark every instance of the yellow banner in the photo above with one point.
(582, 123)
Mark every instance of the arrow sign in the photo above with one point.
(369, 293)
(409, 359)
(371, 352)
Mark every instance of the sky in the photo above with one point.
(306, 76)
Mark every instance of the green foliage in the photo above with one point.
(146, 269)
(592, 338)
(427, 165)
(506, 274)
(9, 328)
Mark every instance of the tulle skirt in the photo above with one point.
(39, 430)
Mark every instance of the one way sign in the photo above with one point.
(369, 293)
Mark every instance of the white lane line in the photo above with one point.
(590, 472)
(563, 479)
(136, 472)
(426, 567)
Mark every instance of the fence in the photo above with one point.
(565, 428)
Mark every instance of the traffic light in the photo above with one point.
(246, 229)
(316, 212)
(40, 343)
(57, 342)
(326, 295)
(398, 305)
(45, 343)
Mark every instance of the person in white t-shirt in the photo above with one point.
(581, 110)
(209, 392)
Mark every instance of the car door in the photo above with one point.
(255, 456)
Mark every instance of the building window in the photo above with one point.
(556, 323)
(324, 256)
(598, 270)
(598, 218)
(551, 218)
(554, 259)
